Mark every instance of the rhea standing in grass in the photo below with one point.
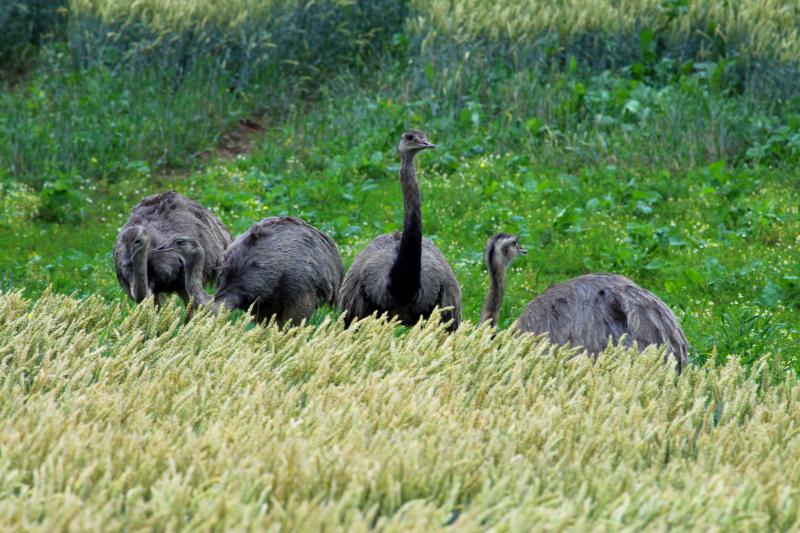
(586, 311)
(403, 274)
(282, 267)
(152, 222)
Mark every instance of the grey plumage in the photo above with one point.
(588, 310)
(192, 257)
(500, 250)
(156, 219)
(283, 267)
(403, 274)
(365, 288)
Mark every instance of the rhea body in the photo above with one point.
(281, 267)
(588, 310)
(403, 274)
(156, 219)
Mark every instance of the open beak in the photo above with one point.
(522, 251)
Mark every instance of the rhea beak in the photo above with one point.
(162, 248)
(426, 145)
(522, 251)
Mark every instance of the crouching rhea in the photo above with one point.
(588, 310)
(154, 221)
(281, 267)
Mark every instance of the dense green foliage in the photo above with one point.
(25, 25)
(160, 80)
(642, 146)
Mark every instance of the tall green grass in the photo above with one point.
(121, 419)
(157, 82)
(25, 25)
(253, 41)
(66, 130)
(752, 28)
(101, 125)
(757, 41)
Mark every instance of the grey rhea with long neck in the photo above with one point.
(494, 296)
(501, 249)
(404, 276)
(586, 311)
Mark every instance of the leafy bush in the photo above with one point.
(62, 200)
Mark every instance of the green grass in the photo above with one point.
(716, 243)
(643, 196)
(119, 419)
(64, 128)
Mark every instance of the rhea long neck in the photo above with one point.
(140, 289)
(193, 273)
(404, 278)
(494, 297)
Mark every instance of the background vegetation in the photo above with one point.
(658, 139)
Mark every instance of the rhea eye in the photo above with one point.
(409, 137)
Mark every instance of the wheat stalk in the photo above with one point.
(139, 423)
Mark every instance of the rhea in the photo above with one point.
(281, 267)
(586, 311)
(403, 274)
(156, 219)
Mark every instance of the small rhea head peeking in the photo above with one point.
(136, 238)
(412, 142)
(185, 246)
(132, 261)
(501, 250)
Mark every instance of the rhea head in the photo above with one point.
(501, 250)
(412, 142)
(135, 239)
(186, 247)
